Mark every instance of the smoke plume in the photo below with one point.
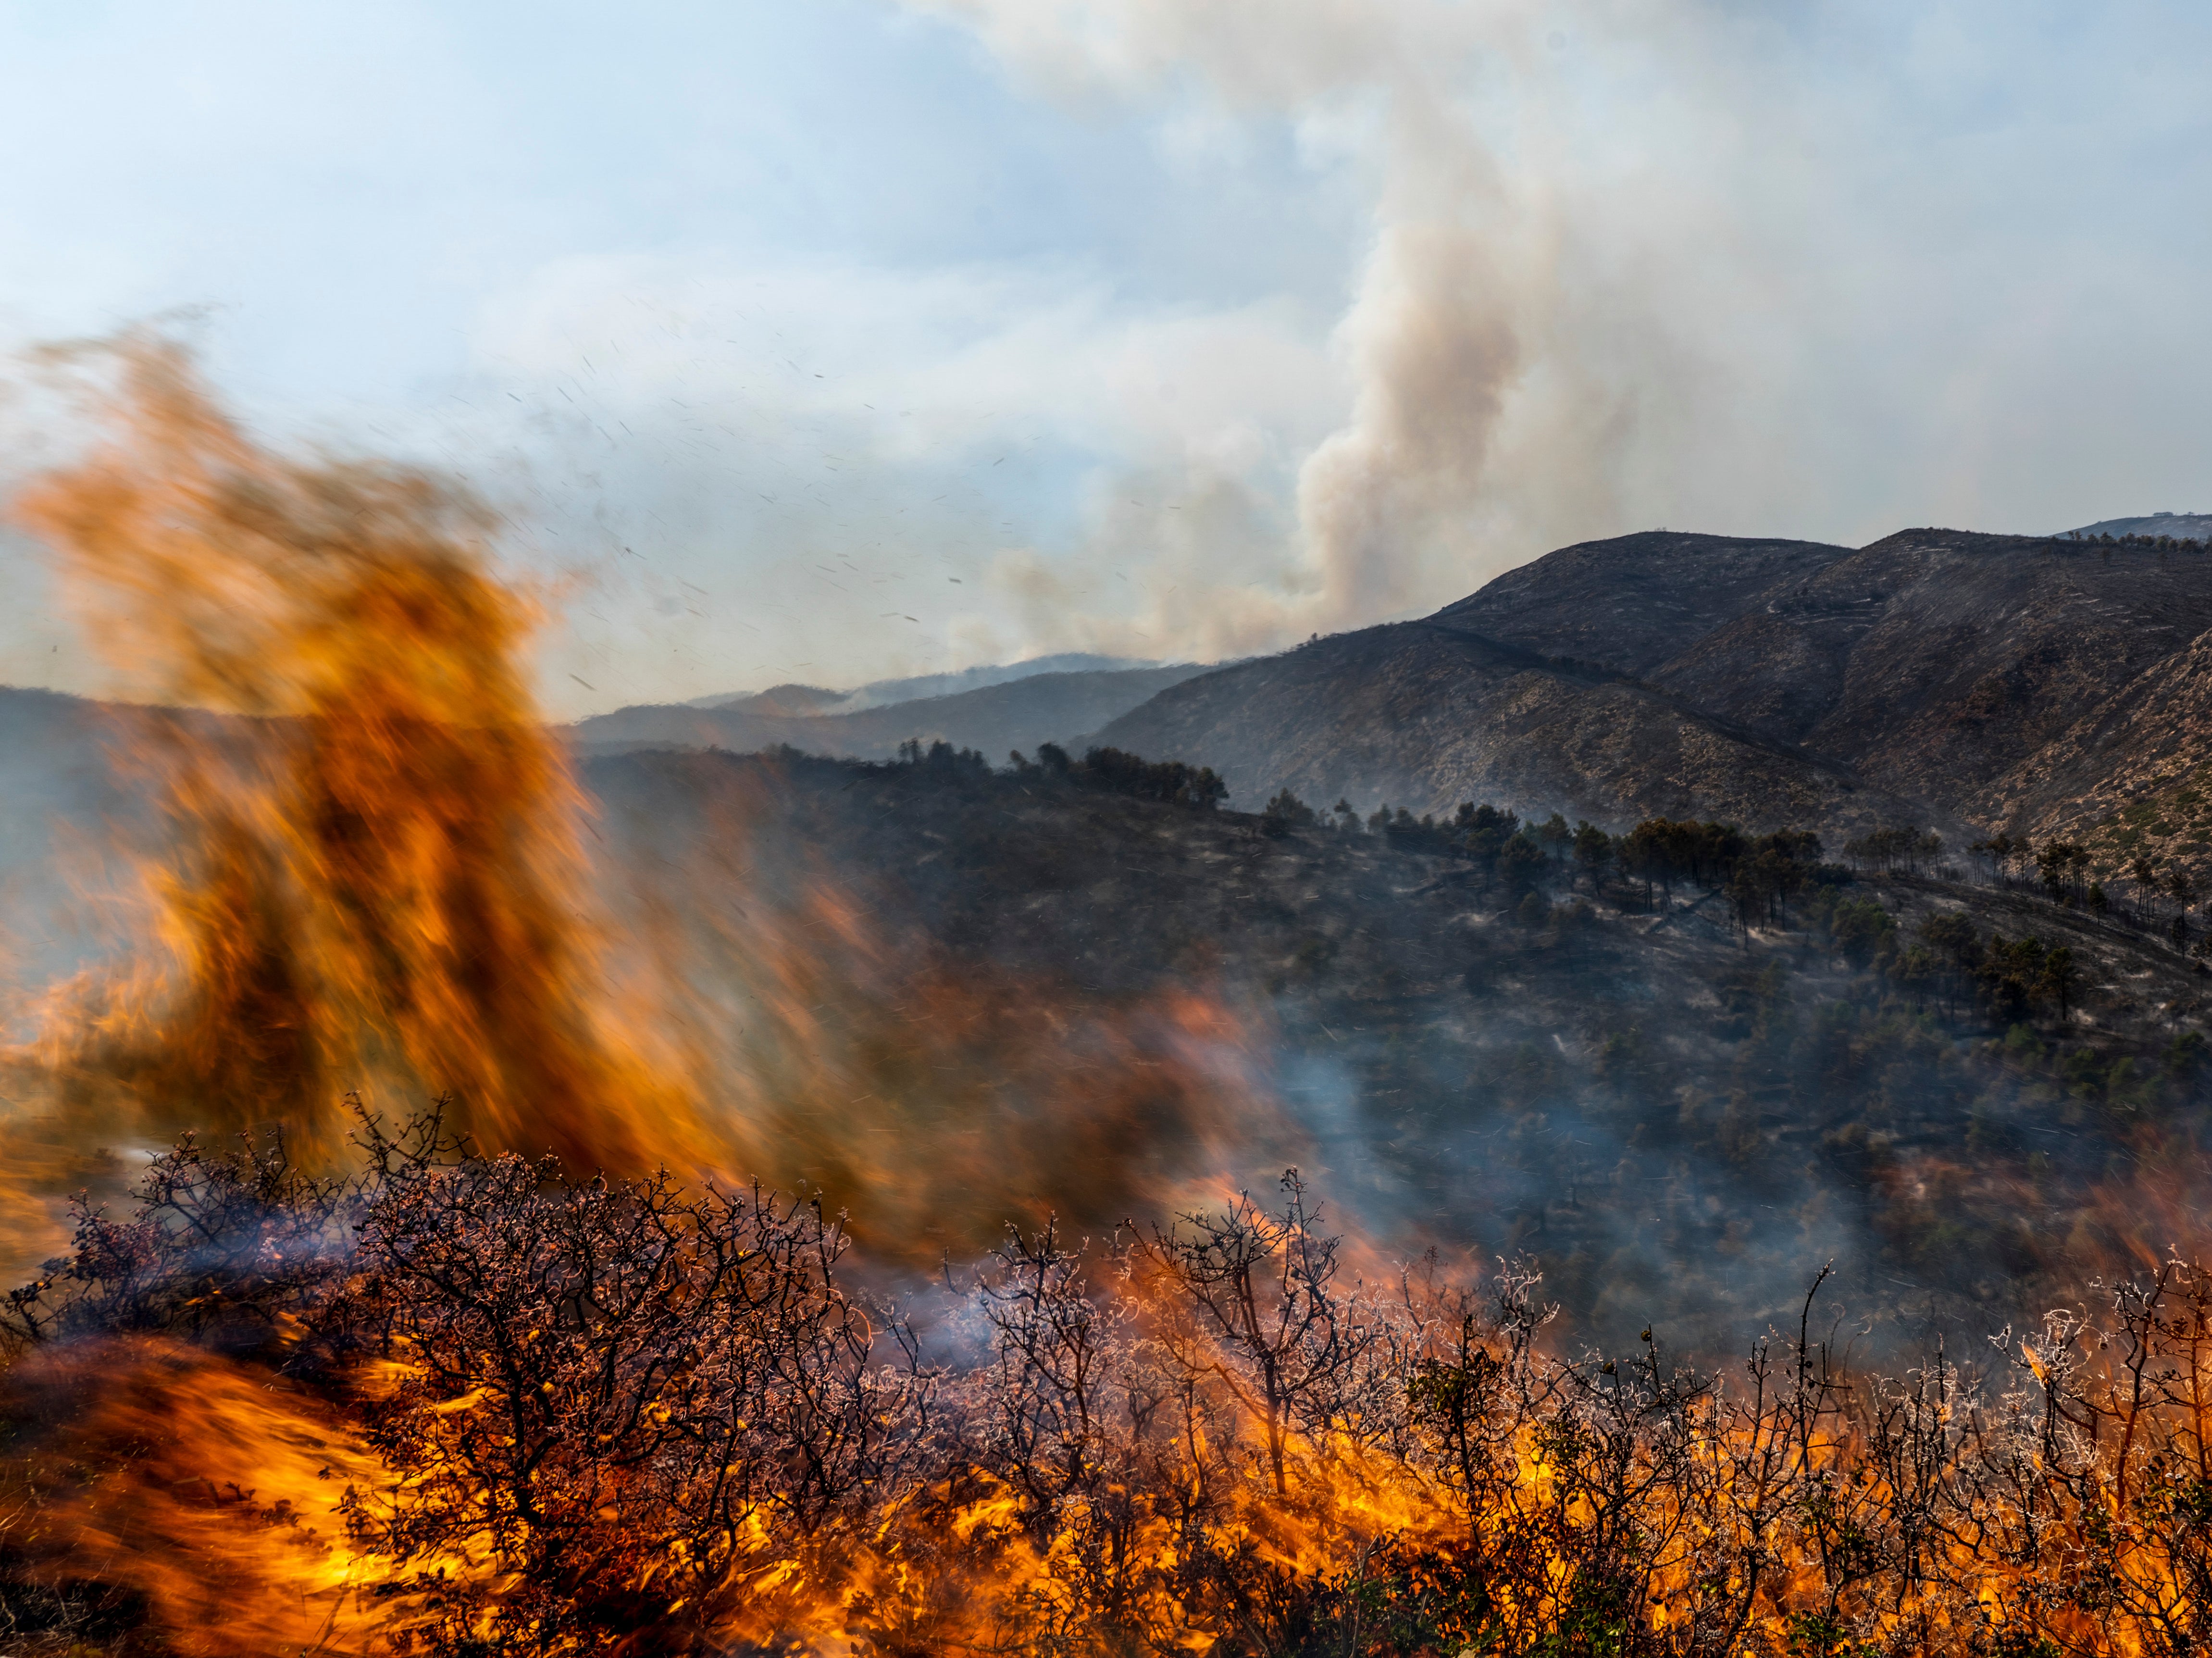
(1449, 341)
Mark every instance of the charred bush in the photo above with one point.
(636, 1397)
(231, 1247)
(627, 1416)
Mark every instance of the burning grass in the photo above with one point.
(552, 1414)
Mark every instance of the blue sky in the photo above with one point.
(839, 339)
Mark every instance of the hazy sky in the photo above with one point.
(826, 340)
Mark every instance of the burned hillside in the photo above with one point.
(1676, 1065)
(2029, 684)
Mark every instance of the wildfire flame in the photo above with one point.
(376, 866)
(174, 1485)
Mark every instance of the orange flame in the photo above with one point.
(378, 863)
(182, 1485)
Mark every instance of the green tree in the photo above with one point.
(1860, 927)
(2010, 975)
(1593, 850)
(2059, 980)
(2062, 864)
(1957, 949)
(1284, 812)
(1481, 832)
(1645, 856)
(1522, 863)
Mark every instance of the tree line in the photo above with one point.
(1107, 770)
(2065, 872)
(1760, 873)
(2163, 543)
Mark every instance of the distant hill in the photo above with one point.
(1422, 715)
(56, 781)
(54, 768)
(781, 700)
(777, 700)
(64, 801)
(1020, 714)
(2188, 526)
(2046, 686)
(1636, 601)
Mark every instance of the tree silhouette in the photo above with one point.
(1593, 850)
(2059, 979)
(1522, 863)
(1286, 812)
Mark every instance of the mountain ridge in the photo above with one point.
(995, 720)
(1936, 677)
(880, 693)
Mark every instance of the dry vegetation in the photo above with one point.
(627, 1416)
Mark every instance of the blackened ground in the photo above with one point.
(1681, 1121)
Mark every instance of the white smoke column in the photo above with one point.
(1436, 335)
(1453, 294)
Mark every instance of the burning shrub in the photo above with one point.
(580, 1415)
(1252, 1298)
(234, 1246)
(639, 1402)
(1184, 1432)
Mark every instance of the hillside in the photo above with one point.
(1019, 713)
(1680, 1118)
(2186, 526)
(1972, 683)
(1636, 601)
(2127, 778)
(1935, 677)
(1423, 716)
